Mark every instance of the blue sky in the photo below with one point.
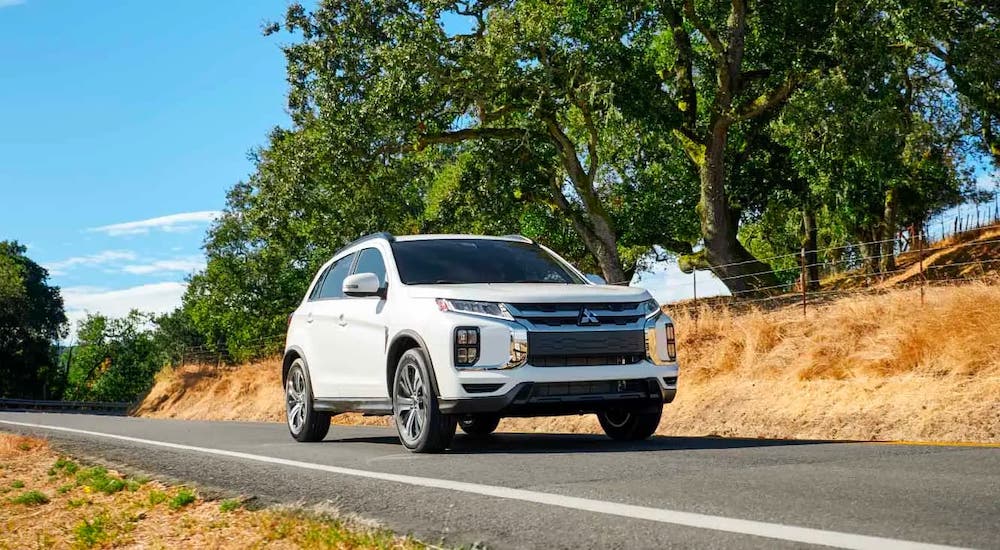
(134, 113)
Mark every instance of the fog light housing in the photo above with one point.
(466, 346)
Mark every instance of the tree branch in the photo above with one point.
(683, 68)
(765, 102)
(456, 136)
(706, 31)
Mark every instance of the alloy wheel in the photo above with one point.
(410, 403)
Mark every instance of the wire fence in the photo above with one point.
(970, 253)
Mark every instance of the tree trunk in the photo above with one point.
(809, 237)
(888, 236)
(729, 260)
(597, 235)
(870, 251)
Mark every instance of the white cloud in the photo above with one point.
(107, 256)
(173, 223)
(183, 265)
(9, 3)
(668, 284)
(151, 298)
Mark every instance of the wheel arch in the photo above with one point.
(291, 354)
(404, 341)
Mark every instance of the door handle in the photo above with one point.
(341, 321)
(309, 317)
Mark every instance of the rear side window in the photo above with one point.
(370, 261)
(332, 285)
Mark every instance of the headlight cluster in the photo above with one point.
(485, 309)
(650, 307)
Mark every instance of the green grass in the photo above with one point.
(17, 484)
(182, 499)
(98, 479)
(31, 498)
(65, 466)
(157, 497)
(63, 489)
(229, 505)
(88, 534)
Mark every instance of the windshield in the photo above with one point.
(458, 261)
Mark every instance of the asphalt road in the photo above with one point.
(579, 491)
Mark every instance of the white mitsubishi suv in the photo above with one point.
(446, 330)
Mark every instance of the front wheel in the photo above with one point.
(629, 426)
(421, 426)
(305, 423)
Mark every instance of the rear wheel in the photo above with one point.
(305, 423)
(421, 426)
(479, 424)
(625, 425)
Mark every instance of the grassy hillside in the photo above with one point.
(878, 367)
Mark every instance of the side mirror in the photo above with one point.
(596, 279)
(362, 284)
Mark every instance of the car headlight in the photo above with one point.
(649, 307)
(484, 309)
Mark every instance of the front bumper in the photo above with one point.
(564, 398)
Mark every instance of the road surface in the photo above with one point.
(579, 491)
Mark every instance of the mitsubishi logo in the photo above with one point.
(587, 318)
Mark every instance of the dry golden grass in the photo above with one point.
(95, 508)
(865, 367)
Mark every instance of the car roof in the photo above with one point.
(447, 236)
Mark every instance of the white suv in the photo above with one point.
(439, 330)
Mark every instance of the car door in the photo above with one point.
(325, 318)
(365, 333)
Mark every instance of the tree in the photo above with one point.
(115, 359)
(31, 318)
(389, 80)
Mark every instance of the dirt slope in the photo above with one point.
(870, 367)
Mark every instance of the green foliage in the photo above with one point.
(98, 479)
(17, 484)
(90, 533)
(157, 497)
(31, 318)
(31, 498)
(115, 359)
(183, 498)
(230, 505)
(65, 466)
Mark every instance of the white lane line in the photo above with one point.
(703, 521)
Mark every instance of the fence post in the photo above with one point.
(923, 276)
(803, 278)
(694, 279)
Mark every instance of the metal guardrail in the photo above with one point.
(95, 407)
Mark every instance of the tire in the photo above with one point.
(421, 426)
(479, 424)
(305, 423)
(629, 426)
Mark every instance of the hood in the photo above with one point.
(530, 292)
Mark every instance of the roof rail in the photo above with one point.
(521, 238)
(380, 235)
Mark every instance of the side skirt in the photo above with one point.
(373, 407)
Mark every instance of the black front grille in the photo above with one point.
(542, 391)
(584, 361)
(586, 348)
(565, 314)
